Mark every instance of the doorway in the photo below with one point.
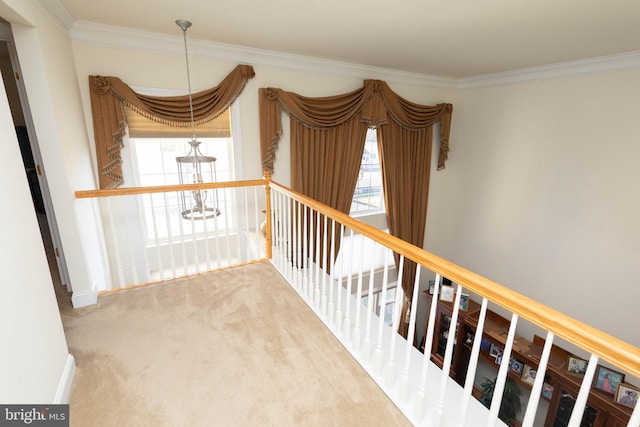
(18, 103)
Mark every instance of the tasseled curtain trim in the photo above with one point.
(110, 97)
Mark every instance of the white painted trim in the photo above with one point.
(66, 380)
(58, 14)
(126, 38)
(84, 298)
(621, 61)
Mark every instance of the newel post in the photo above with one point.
(267, 191)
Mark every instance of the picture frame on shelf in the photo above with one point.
(464, 302)
(432, 286)
(528, 374)
(547, 391)
(499, 358)
(576, 366)
(627, 395)
(494, 350)
(607, 380)
(516, 367)
(470, 337)
(447, 293)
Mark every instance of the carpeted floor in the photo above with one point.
(231, 348)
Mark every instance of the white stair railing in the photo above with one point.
(424, 391)
(148, 241)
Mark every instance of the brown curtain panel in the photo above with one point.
(327, 142)
(405, 146)
(110, 97)
(405, 132)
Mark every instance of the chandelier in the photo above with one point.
(196, 168)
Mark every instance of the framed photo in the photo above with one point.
(494, 350)
(470, 337)
(528, 374)
(627, 395)
(499, 358)
(446, 293)
(432, 286)
(517, 367)
(547, 391)
(607, 380)
(464, 302)
(576, 366)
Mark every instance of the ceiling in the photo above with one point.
(448, 38)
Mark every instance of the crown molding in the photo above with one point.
(58, 14)
(127, 38)
(628, 60)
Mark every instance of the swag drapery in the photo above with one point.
(110, 97)
(327, 142)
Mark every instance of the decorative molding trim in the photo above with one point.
(58, 14)
(84, 299)
(66, 380)
(629, 60)
(119, 37)
(127, 38)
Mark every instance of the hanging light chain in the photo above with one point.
(184, 25)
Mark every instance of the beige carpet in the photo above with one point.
(231, 348)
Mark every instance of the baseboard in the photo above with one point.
(83, 299)
(66, 380)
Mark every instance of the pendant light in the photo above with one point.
(195, 168)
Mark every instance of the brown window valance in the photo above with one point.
(374, 103)
(110, 98)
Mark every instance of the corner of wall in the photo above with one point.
(66, 380)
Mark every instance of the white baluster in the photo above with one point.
(377, 353)
(314, 296)
(397, 310)
(194, 244)
(473, 363)
(308, 236)
(205, 241)
(256, 221)
(156, 241)
(532, 406)
(346, 329)
(338, 314)
(183, 245)
(355, 340)
(404, 379)
(583, 394)
(325, 269)
(331, 305)
(501, 380)
(129, 234)
(116, 245)
(167, 219)
(428, 344)
(371, 308)
(288, 221)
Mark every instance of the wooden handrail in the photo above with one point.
(128, 191)
(622, 354)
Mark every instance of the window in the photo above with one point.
(153, 159)
(368, 197)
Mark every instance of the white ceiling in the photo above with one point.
(448, 38)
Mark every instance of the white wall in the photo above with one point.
(542, 194)
(45, 57)
(34, 352)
